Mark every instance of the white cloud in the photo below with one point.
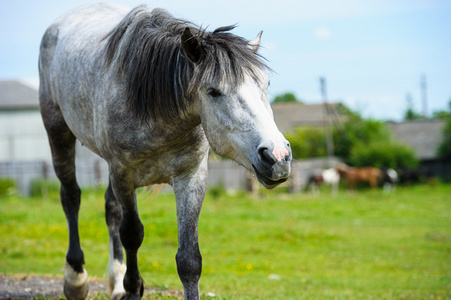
(322, 33)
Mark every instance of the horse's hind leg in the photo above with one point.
(62, 144)
(117, 266)
(131, 231)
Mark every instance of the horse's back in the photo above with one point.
(73, 41)
(90, 18)
(71, 66)
(77, 29)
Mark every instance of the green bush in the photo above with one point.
(383, 154)
(39, 187)
(357, 130)
(444, 150)
(217, 191)
(307, 142)
(7, 186)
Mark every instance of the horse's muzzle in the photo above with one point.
(273, 167)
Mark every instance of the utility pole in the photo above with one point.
(423, 87)
(327, 120)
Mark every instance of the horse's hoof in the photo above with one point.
(141, 291)
(76, 292)
(129, 296)
(118, 296)
(75, 284)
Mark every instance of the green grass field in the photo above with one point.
(365, 245)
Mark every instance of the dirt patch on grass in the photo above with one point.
(46, 287)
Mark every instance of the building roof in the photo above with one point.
(295, 114)
(15, 95)
(423, 136)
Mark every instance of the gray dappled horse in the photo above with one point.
(149, 93)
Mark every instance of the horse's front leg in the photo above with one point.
(131, 233)
(189, 193)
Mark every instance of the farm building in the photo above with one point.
(24, 147)
(21, 128)
(424, 136)
(295, 114)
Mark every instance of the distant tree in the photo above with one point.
(411, 114)
(287, 97)
(442, 114)
(307, 142)
(444, 149)
(357, 130)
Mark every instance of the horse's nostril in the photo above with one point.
(266, 157)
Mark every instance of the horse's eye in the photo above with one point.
(214, 93)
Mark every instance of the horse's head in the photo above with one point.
(342, 169)
(231, 90)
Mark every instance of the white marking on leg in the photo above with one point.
(116, 275)
(73, 278)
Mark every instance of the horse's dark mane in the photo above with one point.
(145, 50)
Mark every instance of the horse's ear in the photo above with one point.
(255, 43)
(192, 46)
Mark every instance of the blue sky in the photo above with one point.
(372, 53)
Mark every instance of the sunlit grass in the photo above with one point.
(365, 245)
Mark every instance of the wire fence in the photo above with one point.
(94, 172)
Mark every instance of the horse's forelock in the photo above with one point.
(145, 50)
(228, 59)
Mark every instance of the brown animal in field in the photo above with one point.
(356, 175)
